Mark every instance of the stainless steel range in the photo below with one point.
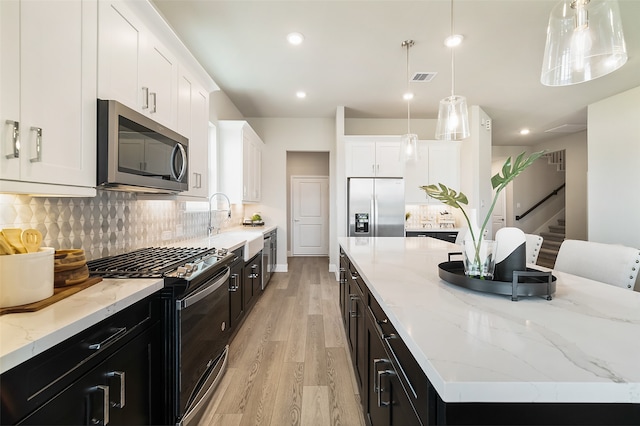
(197, 317)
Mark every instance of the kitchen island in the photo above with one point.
(572, 360)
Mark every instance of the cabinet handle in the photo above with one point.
(38, 157)
(118, 333)
(105, 405)
(15, 139)
(381, 331)
(378, 168)
(373, 168)
(145, 97)
(382, 403)
(154, 109)
(120, 376)
(233, 284)
(377, 361)
(352, 313)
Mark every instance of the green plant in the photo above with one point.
(256, 218)
(499, 181)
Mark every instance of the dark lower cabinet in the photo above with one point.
(252, 282)
(449, 236)
(116, 392)
(111, 373)
(391, 397)
(356, 324)
(236, 304)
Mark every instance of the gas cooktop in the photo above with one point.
(153, 262)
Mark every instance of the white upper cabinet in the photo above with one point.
(438, 162)
(240, 163)
(193, 122)
(373, 156)
(48, 102)
(134, 67)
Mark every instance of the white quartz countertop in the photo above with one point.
(25, 335)
(582, 346)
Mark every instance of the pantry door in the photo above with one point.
(310, 215)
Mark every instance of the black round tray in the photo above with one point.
(525, 283)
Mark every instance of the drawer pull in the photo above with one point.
(233, 284)
(353, 313)
(118, 332)
(377, 361)
(105, 405)
(120, 376)
(382, 403)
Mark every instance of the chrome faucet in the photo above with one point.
(210, 227)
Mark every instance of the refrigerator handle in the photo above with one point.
(374, 209)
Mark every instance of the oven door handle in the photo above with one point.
(201, 294)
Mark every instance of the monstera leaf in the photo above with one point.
(451, 197)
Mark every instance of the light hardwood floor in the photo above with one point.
(289, 363)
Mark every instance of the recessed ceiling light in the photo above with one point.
(453, 40)
(295, 38)
(407, 96)
(525, 131)
(301, 95)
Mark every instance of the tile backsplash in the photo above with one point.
(110, 223)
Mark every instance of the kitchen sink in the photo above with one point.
(254, 241)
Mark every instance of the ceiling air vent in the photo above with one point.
(423, 77)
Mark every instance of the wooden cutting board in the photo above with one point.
(59, 293)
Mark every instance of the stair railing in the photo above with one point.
(554, 192)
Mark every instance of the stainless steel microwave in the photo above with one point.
(138, 154)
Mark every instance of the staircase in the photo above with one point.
(551, 244)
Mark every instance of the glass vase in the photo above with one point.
(481, 263)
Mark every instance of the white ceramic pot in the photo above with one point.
(26, 278)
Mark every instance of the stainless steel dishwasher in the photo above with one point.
(266, 261)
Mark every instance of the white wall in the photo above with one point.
(279, 136)
(614, 169)
(424, 128)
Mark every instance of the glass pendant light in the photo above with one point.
(584, 41)
(453, 116)
(410, 140)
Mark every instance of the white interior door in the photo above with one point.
(310, 215)
(499, 214)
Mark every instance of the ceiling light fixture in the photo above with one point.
(453, 115)
(301, 95)
(453, 40)
(295, 38)
(525, 131)
(410, 140)
(584, 41)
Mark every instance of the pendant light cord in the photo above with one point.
(408, 100)
(408, 44)
(453, 66)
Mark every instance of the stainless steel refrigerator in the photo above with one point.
(376, 207)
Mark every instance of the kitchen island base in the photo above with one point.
(398, 381)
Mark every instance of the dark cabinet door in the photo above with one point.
(251, 286)
(119, 391)
(344, 293)
(236, 306)
(377, 361)
(356, 328)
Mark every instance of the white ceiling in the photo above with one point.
(352, 56)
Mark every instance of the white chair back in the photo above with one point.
(533, 244)
(609, 263)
